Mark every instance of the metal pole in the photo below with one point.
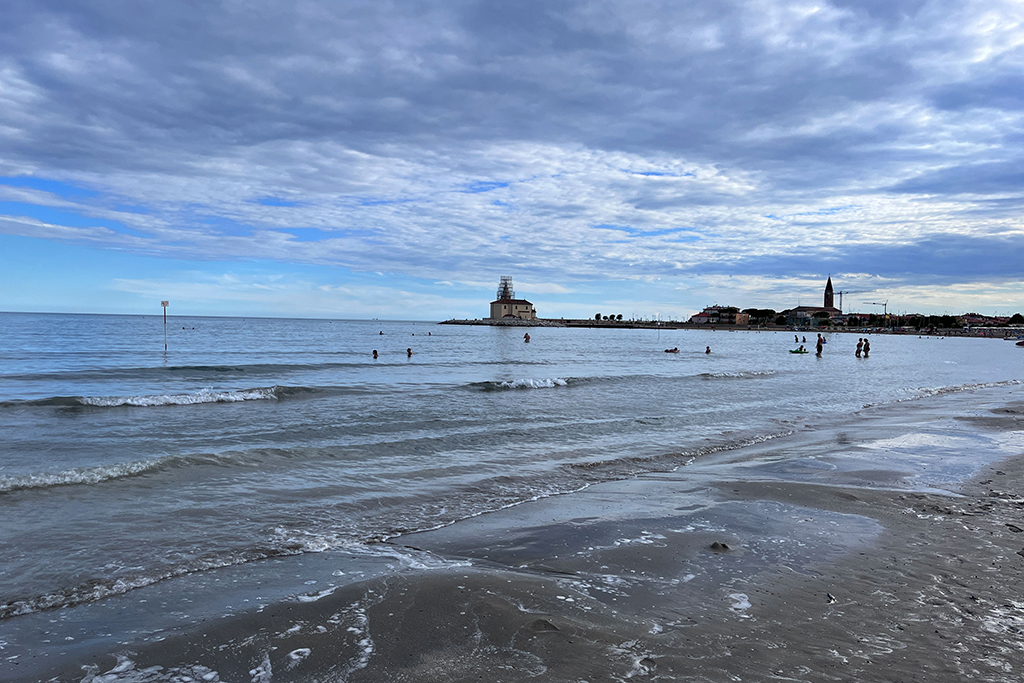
(165, 304)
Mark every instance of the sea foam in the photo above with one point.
(533, 383)
(201, 396)
(80, 475)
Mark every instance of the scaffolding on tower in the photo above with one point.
(505, 290)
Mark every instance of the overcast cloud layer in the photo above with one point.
(659, 156)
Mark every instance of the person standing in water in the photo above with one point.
(526, 337)
(375, 354)
(867, 347)
(408, 353)
(860, 345)
(818, 346)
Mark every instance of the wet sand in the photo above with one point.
(887, 548)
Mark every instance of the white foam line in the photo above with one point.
(199, 397)
(82, 475)
(929, 392)
(533, 383)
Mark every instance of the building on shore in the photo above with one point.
(979, 320)
(720, 315)
(811, 315)
(506, 305)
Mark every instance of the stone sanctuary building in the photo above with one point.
(806, 315)
(507, 305)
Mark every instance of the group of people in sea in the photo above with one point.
(818, 346)
(863, 346)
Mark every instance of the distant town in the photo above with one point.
(508, 309)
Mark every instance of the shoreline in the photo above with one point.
(886, 546)
(986, 332)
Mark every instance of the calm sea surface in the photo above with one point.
(121, 465)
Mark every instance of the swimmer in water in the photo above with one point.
(526, 337)
(674, 349)
(375, 354)
(408, 353)
(707, 350)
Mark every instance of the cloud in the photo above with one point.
(567, 143)
(204, 291)
(984, 178)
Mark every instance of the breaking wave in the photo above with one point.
(102, 473)
(201, 396)
(556, 382)
(81, 475)
(928, 392)
(208, 395)
(186, 371)
(86, 476)
(525, 384)
(748, 374)
(925, 392)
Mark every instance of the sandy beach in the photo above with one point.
(853, 551)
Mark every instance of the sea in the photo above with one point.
(126, 467)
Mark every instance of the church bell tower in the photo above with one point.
(829, 303)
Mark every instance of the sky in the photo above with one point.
(393, 159)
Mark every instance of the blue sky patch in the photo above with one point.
(276, 201)
(52, 186)
(382, 202)
(660, 174)
(640, 232)
(226, 226)
(483, 186)
(318, 235)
